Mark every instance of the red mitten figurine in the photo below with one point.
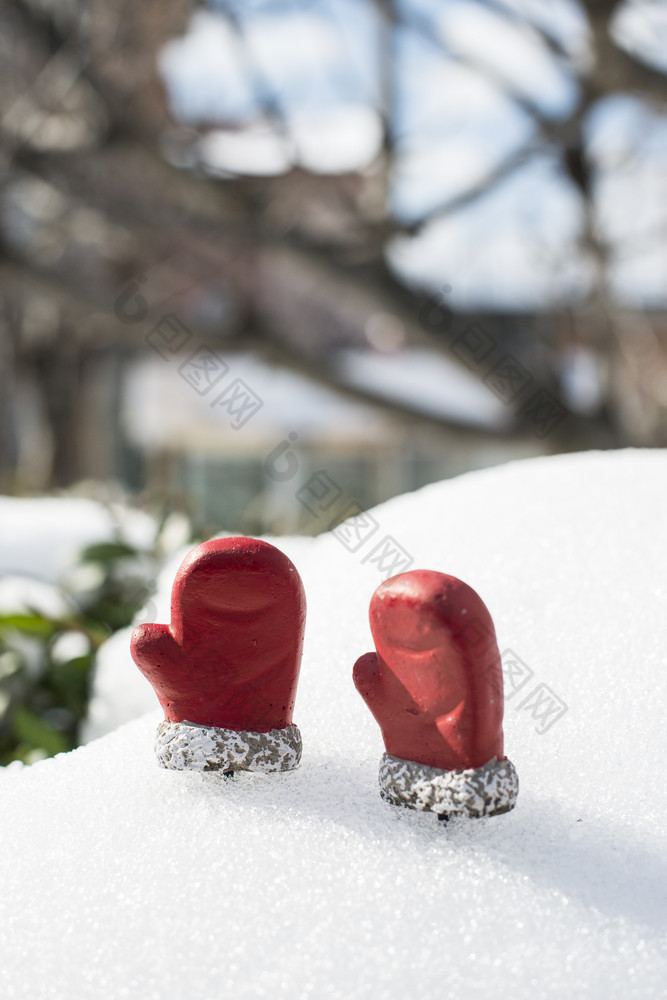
(225, 670)
(435, 686)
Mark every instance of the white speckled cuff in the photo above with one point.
(479, 791)
(186, 746)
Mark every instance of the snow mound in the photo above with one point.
(122, 879)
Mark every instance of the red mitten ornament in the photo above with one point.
(225, 670)
(435, 686)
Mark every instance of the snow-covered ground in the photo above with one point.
(121, 879)
(41, 537)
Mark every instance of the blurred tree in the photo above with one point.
(118, 207)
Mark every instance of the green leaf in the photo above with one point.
(69, 682)
(106, 552)
(34, 625)
(29, 728)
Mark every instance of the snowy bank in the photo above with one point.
(121, 879)
(42, 537)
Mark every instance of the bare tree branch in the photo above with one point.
(274, 351)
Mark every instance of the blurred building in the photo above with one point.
(243, 445)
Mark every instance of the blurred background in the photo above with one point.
(253, 248)
(266, 263)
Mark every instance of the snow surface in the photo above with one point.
(42, 537)
(122, 879)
